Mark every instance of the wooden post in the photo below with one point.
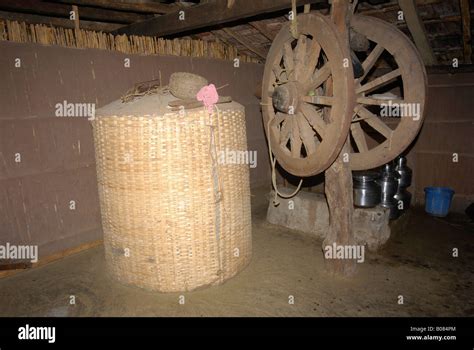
(417, 30)
(338, 180)
(466, 30)
(76, 17)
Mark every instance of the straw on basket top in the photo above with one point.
(186, 85)
(155, 105)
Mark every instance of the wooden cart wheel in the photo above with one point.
(307, 95)
(378, 137)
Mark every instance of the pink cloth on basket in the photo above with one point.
(208, 95)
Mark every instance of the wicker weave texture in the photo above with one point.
(174, 218)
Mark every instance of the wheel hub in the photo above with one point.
(285, 98)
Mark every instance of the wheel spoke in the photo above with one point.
(370, 61)
(313, 56)
(306, 133)
(288, 60)
(319, 77)
(318, 100)
(314, 119)
(359, 137)
(278, 71)
(379, 82)
(285, 132)
(377, 101)
(279, 117)
(300, 57)
(379, 130)
(375, 122)
(295, 140)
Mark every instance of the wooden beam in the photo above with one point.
(208, 14)
(389, 7)
(59, 22)
(63, 10)
(445, 19)
(244, 41)
(263, 29)
(417, 30)
(466, 30)
(143, 6)
(220, 37)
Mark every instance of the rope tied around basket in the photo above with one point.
(215, 164)
(208, 96)
(217, 184)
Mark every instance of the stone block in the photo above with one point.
(308, 212)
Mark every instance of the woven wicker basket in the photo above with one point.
(174, 218)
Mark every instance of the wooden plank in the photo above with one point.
(247, 43)
(466, 30)
(63, 10)
(444, 19)
(263, 29)
(59, 22)
(389, 7)
(207, 14)
(143, 6)
(417, 30)
(220, 37)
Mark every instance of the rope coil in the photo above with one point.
(274, 184)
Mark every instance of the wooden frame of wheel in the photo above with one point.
(308, 95)
(412, 72)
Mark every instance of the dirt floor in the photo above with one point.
(417, 263)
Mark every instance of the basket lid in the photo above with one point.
(152, 105)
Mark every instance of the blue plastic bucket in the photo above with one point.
(438, 200)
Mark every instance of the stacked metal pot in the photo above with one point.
(402, 196)
(388, 181)
(366, 189)
(387, 187)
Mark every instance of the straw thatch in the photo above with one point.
(144, 45)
